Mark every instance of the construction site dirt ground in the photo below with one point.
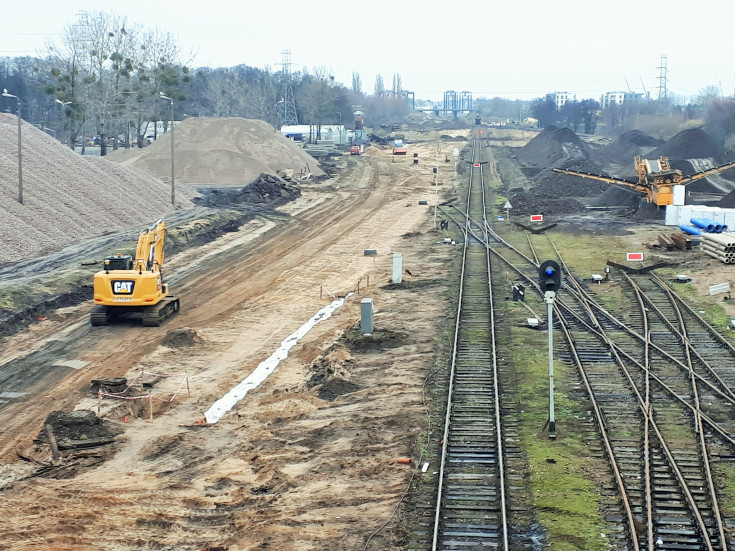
(308, 460)
(295, 464)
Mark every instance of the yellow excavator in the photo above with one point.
(135, 285)
(656, 182)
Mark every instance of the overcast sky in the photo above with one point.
(512, 49)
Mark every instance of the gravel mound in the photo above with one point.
(220, 151)
(68, 198)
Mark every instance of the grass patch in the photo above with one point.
(726, 472)
(566, 498)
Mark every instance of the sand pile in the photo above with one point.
(220, 151)
(68, 198)
(551, 146)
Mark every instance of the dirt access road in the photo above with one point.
(292, 466)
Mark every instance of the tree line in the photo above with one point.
(105, 76)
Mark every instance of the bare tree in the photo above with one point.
(379, 88)
(397, 85)
(356, 83)
(709, 94)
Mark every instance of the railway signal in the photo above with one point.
(549, 275)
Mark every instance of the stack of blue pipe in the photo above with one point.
(706, 224)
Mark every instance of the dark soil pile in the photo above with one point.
(541, 201)
(552, 146)
(265, 190)
(623, 149)
(693, 143)
(334, 388)
(330, 373)
(333, 363)
(184, 336)
(75, 426)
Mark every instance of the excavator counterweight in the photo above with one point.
(130, 284)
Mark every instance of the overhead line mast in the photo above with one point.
(287, 103)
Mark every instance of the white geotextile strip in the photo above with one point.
(266, 367)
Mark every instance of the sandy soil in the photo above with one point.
(287, 468)
(68, 198)
(225, 151)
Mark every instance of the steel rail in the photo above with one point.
(681, 333)
(465, 532)
(645, 405)
(696, 411)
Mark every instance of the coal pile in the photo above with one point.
(693, 143)
(542, 201)
(618, 196)
(623, 149)
(728, 201)
(266, 190)
(692, 151)
(552, 146)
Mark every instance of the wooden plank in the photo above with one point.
(52, 441)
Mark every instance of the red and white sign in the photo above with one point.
(634, 257)
(477, 164)
(537, 218)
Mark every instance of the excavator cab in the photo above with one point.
(118, 262)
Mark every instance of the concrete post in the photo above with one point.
(397, 268)
(366, 316)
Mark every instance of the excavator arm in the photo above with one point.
(609, 180)
(149, 251)
(707, 172)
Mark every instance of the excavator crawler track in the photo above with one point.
(153, 316)
(99, 316)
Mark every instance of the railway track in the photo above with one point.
(662, 408)
(659, 381)
(480, 450)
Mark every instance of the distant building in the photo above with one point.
(336, 133)
(619, 98)
(560, 98)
